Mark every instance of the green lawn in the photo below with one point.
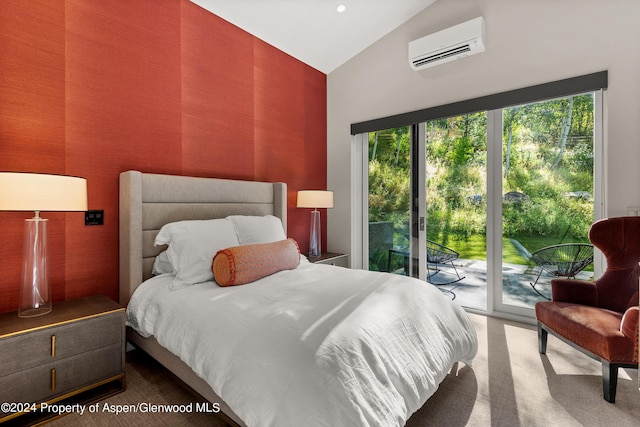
(475, 248)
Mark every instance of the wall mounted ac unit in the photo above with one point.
(447, 45)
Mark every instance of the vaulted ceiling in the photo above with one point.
(315, 31)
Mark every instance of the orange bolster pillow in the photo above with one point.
(247, 263)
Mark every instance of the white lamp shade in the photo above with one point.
(315, 199)
(42, 192)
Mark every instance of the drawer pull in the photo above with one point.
(53, 380)
(53, 346)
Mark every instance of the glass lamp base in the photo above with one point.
(33, 312)
(314, 234)
(35, 291)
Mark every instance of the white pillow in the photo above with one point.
(257, 229)
(192, 246)
(162, 264)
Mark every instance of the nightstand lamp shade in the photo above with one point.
(315, 199)
(39, 192)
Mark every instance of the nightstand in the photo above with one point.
(331, 258)
(75, 354)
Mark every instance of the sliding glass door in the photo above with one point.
(389, 208)
(455, 202)
(488, 206)
(547, 196)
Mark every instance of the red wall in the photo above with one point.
(93, 88)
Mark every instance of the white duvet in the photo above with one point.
(315, 346)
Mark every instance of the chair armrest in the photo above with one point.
(574, 291)
(629, 324)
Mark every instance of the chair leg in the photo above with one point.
(542, 339)
(456, 271)
(609, 381)
(429, 274)
(533, 285)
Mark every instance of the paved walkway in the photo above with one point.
(471, 291)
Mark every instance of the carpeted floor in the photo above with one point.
(510, 384)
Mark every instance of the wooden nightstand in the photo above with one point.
(331, 258)
(73, 355)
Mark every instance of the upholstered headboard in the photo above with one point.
(149, 201)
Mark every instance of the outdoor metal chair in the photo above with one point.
(564, 260)
(438, 254)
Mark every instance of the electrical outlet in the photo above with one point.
(633, 211)
(94, 217)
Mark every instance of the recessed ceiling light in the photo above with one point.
(341, 8)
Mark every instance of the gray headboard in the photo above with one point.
(148, 201)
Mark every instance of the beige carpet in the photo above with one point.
(510, 384)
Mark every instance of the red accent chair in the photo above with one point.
(600, 318)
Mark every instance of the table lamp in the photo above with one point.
(38, 192)
(315, 199)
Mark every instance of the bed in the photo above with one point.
(307, 345)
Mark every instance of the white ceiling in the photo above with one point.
(312, 30)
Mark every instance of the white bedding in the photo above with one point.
(315, 346)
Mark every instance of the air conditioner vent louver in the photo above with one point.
(448, 45)
(441, 55)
